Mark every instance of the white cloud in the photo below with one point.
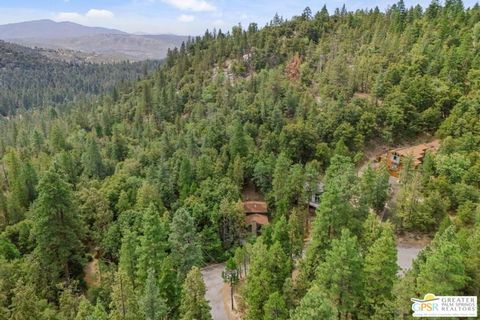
(69, 16)
(186, 18)
(99, 13)
(193, 5)
(92, 15)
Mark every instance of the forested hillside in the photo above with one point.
(29, 79)
(146, 184)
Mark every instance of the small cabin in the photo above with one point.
(315, 196)
(393, 158)
(256, 215)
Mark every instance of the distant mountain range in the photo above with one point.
(105, 44)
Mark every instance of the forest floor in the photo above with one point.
(91, 273)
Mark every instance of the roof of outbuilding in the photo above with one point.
(255, 207)
(257, 218)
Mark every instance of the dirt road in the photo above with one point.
(212, 276)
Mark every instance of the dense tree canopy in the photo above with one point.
(143, 184)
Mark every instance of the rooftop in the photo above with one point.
(418, 151)
(255, 207)
(257, 218)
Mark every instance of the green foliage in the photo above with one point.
(183, 240)
(153, 243)
(275, 308)
(269, 267)
(380, 272)
(341, 274)
(444, 269)
(30, 79)
(193, 305)
(124, 305)
(56, 228)
(152, 306)
(374, 188)
(151, 175)
(315, 304)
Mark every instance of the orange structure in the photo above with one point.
(256, 215)
(393, 158)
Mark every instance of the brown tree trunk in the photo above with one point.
(231, 295)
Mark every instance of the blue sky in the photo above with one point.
(190, 17)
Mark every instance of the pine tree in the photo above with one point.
(341, 275)
(85, 309)
(186, 249)
(275, 308)
(152, 306)
(123, 304)
(153, 243)
(280, 185)
(374, 188)
(57, 228)
(232, 223)
(315, 305)
(380, 272)
(169, 286)
(444, 269)
(336, 212)
(25, 303)
(185, 178)
(258, 286)
(230, 275)
(99, 312)
(238, 143)
(92, 160)
(281, 235)
(69, 301)
(279, 266)
(128, 256)
(193, 305)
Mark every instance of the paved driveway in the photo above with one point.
(212, 276)
(406, 254)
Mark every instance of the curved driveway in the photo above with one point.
(212, 276)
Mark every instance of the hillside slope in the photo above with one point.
(31, 79)
(111, 44)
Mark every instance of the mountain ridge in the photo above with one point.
(48, 29)
(114, 45)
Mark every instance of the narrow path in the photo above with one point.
(212, 276)
(91, 273)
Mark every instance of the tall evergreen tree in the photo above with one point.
(193, 305)
(56, 228)
(380, 272)
(152, 306)
(341, 275)
(444, 269)
(129, 256)
(186, 249)
(315, 305)
(123, 304)
(92, 160)
(275, 308)
(153, 243)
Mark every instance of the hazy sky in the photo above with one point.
(191, 17)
